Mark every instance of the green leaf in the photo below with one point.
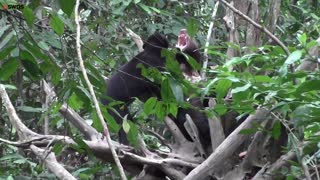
(36, 51)
(55, 74)
(283, 71)
(293, 57)
(248, 131)
(177, 90)
(311, 44)
(222, 88)
(172, 64)
(5, 52)
(192, 26)
(155, 9)
(276, 130)
(308, 86)
(241, 89)
(126, 125)
(28, 14)
(262, 79)
(149, 105)
(160, 110)
(30, 64)
(58, 147)
(20, 161)
(145, 8)
(166, 91)
(56, 24)
(194, 64)
(112, 124)
(270, 95)
(302, 39)
(67, 6)
(234, 60)
(83, 95)
(133, 134)
(173, 109)
(43, 45)
(221, 109)
(8, 68)
(210, 84)
(75, 102)
(6, 39)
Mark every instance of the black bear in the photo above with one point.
(128, 82)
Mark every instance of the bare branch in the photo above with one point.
(52, 163)
(88, 131)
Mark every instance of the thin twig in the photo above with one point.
(205, 62)
(95, 101)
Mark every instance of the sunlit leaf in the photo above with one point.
(126, 126)
(241, 89)
(56, 24)
(294, 56)
(302, 39)
(262, 79)
(149, 105)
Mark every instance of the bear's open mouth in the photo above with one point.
(183, 39)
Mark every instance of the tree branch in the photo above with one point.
(95, 101)
(52, 163)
